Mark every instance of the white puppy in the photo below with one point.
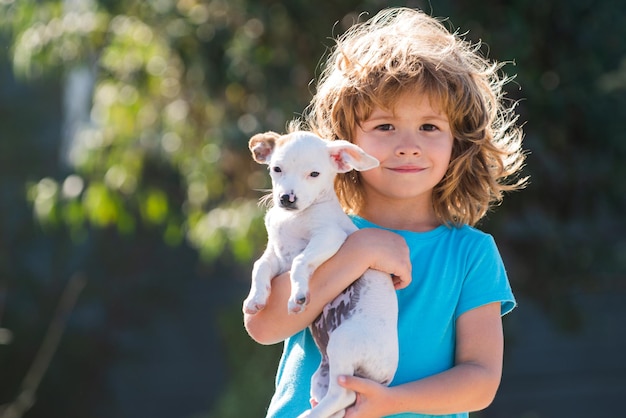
(357, 332)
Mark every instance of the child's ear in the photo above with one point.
(262, 146)
(346, 156)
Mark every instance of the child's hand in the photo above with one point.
(385, 251)
(370, 397)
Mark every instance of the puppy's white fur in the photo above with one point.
(357, 332)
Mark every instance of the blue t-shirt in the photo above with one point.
(454, 270)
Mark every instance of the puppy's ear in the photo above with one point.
(346, 156)
(262, 146)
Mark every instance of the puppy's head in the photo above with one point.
(303, 166)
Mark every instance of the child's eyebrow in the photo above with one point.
(379, 115)
(379, 118)
(388, 116)
(439, 117)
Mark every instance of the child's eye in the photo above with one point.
(314, 174)
(428, 127)
(385, 127)
(277, 170)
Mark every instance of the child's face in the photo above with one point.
(413, 144)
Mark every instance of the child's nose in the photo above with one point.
(409, 145)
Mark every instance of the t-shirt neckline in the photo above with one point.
(364, 223)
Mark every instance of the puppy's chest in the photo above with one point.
(289, 236)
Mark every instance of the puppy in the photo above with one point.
(357, 332)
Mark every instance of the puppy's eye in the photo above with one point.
(277, 170)
(314, 174)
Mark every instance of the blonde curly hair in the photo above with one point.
(400, 50)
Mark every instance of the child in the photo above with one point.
(431, 109)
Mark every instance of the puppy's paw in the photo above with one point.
(298, 302)
(251, 307)
(256, 300)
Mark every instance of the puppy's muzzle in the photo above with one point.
(288, 201)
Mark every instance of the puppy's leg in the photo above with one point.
(323, 245)
(264, 270)
(337, 398)
(319, 381)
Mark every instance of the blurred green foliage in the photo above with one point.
(146, 163)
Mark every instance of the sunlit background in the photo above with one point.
(128, 201)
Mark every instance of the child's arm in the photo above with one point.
(365, 248)
(468, 386)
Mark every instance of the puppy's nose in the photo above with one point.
(288, 200)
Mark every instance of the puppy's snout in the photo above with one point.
(288, 200)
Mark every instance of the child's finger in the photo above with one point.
(400, 282)
(356, 384)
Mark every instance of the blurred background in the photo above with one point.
(128, 201)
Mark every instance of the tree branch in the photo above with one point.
(27, 396)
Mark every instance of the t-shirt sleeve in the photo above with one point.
(486, 280)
